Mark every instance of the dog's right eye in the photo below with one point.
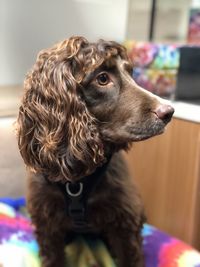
(103, 79)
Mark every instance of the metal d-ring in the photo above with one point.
(77, 194)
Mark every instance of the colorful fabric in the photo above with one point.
(18, 247)
(155, 56)
(160, 82)
(155, 66)
(163, 250)
(194, 27)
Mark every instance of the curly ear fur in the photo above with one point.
(57, 135)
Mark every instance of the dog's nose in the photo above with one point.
(164, 112)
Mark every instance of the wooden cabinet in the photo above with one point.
(166, 169)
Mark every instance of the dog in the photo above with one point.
(80, 109)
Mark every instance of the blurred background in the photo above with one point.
(162, 38)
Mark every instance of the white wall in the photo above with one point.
(27, 26)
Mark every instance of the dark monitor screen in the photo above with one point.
(188, 80)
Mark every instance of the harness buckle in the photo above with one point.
(74, 192)
(76, 207)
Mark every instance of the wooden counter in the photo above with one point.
(166, 169)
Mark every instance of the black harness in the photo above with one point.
(76, 197)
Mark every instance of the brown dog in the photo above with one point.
(80, 108)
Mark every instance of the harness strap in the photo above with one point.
(77, 194)
(75, 204)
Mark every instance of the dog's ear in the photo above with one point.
(57, 135)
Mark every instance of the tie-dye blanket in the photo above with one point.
(18, 247)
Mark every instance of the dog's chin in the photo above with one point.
(132, 133)
(148, 133)
(143, 137)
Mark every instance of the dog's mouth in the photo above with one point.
(146, 136)
(134, 131)
(147, 130)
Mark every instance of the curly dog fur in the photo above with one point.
(81, 106)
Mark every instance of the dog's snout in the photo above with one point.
(164, 112)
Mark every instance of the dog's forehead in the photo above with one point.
(118, 62)
(124, 64)
(110, 62)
